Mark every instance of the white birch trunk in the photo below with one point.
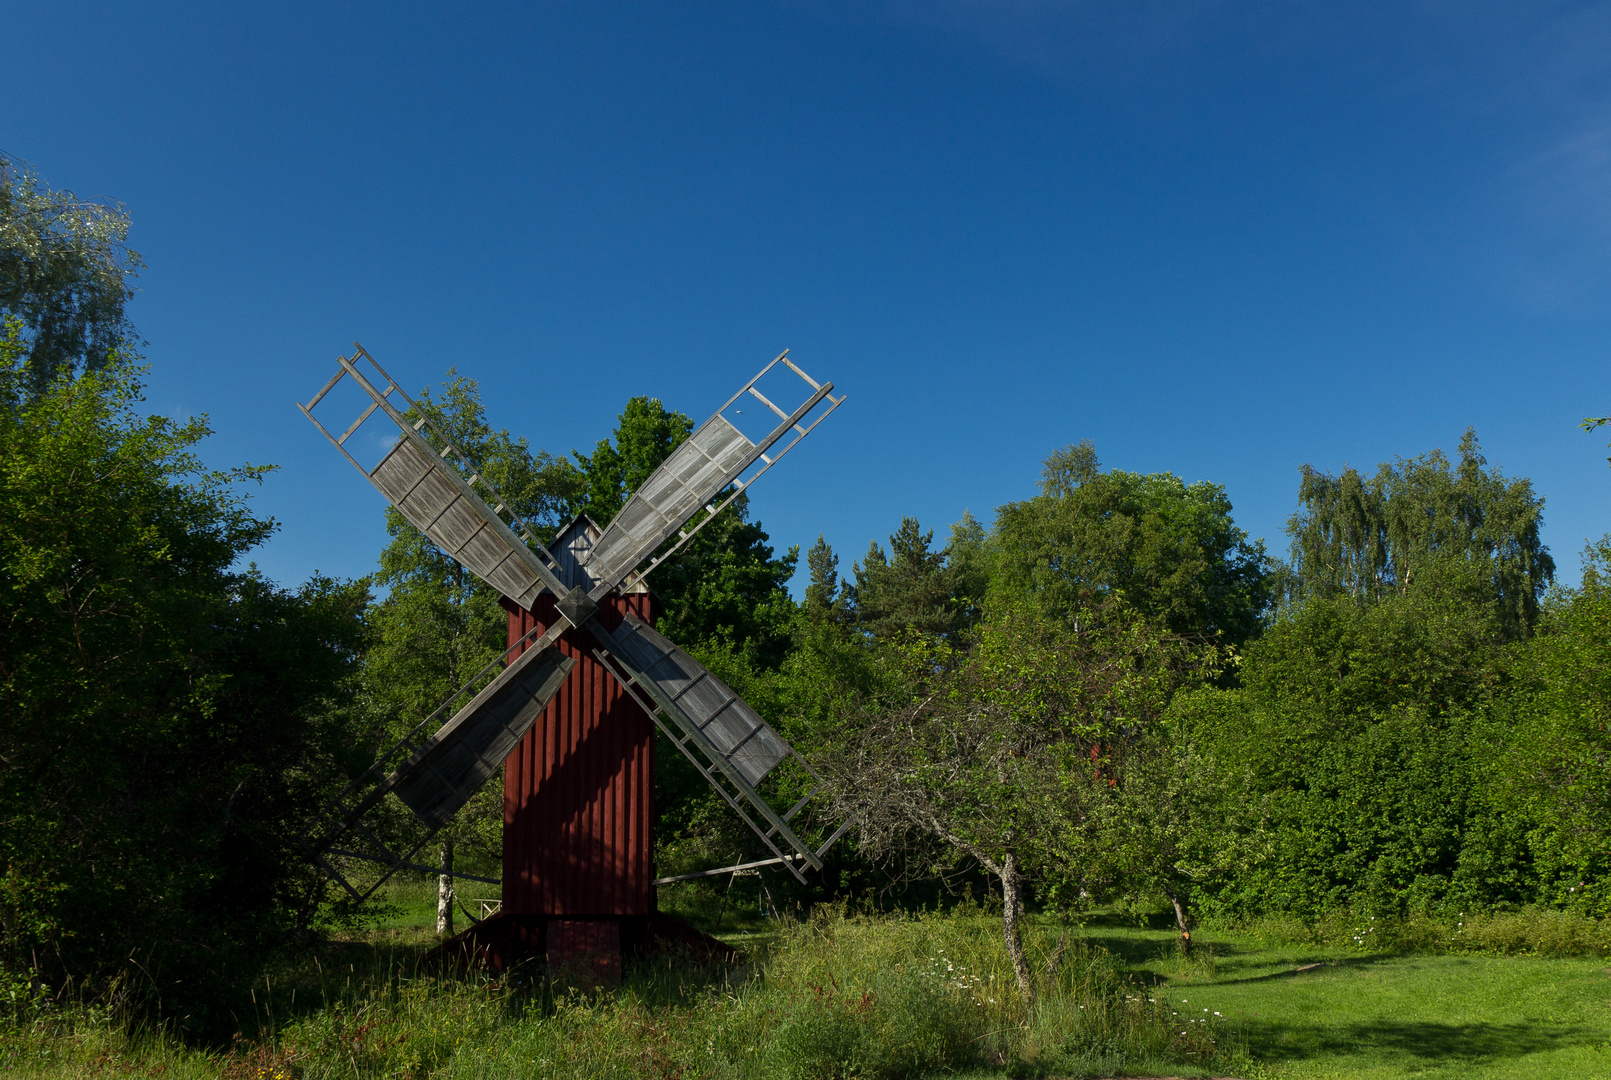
(444, 893)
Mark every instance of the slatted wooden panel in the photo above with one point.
(465, 754)
(460, 524)
(579, 789)
(699, 701)
(688, 479)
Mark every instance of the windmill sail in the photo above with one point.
(713, 457)
(741, 747)
(470, 748)
(439, 500)
(434, 770)
(457, 520)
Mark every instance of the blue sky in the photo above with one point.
(1219, 239)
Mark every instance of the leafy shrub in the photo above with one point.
(1533, 931)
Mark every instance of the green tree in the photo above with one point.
(1363, 730)
(168, 721)
(1424, 523)
(1174, 822)
(968, 559)
(64, 276)
(1167, 548)
(825, 595)
(914, 587)
(999, 755)
(1549, 775)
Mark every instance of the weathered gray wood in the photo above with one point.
(692, 475)
(422, 488)
(468, 749)
(714, 457)
(728, 732)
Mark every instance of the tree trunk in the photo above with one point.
(444, 893)
(1011, 908)
(1180, 921)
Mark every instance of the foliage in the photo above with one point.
(1362, 730)
(64, 276)
(826, 597)
(1424, 523)
(913, 588)
(1550, 776)
(1000, 754)
(1166, 548)
(727, 589)
(166, 718)
(1532, 930)
(1176, 823)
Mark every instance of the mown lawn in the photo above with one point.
(1379, 1016)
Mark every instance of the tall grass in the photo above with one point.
(835, 995)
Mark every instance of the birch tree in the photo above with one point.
(65, 272)
(1424, 523)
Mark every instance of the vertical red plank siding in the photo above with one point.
(579, 789)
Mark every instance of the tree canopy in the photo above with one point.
(1424, 523)
(65, 270)
(1167, 548)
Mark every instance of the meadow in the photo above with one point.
(855, 994)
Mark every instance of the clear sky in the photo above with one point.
(1219, 239)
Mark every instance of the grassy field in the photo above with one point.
(843, 996)
(1370, 1015)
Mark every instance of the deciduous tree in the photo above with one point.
(1425, 523)
(999, 755)
(1164, 547)
(168, 721)
(65, 271)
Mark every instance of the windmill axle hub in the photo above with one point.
(577, 606)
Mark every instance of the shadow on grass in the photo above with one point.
(1423, 1040)
(1347, 963)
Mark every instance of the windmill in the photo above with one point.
(570, 701)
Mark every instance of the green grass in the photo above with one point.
(408, 901)
(1377, 1016)
(891, 997)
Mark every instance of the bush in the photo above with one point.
(1529, 931)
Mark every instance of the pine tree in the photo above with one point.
(910, 589)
